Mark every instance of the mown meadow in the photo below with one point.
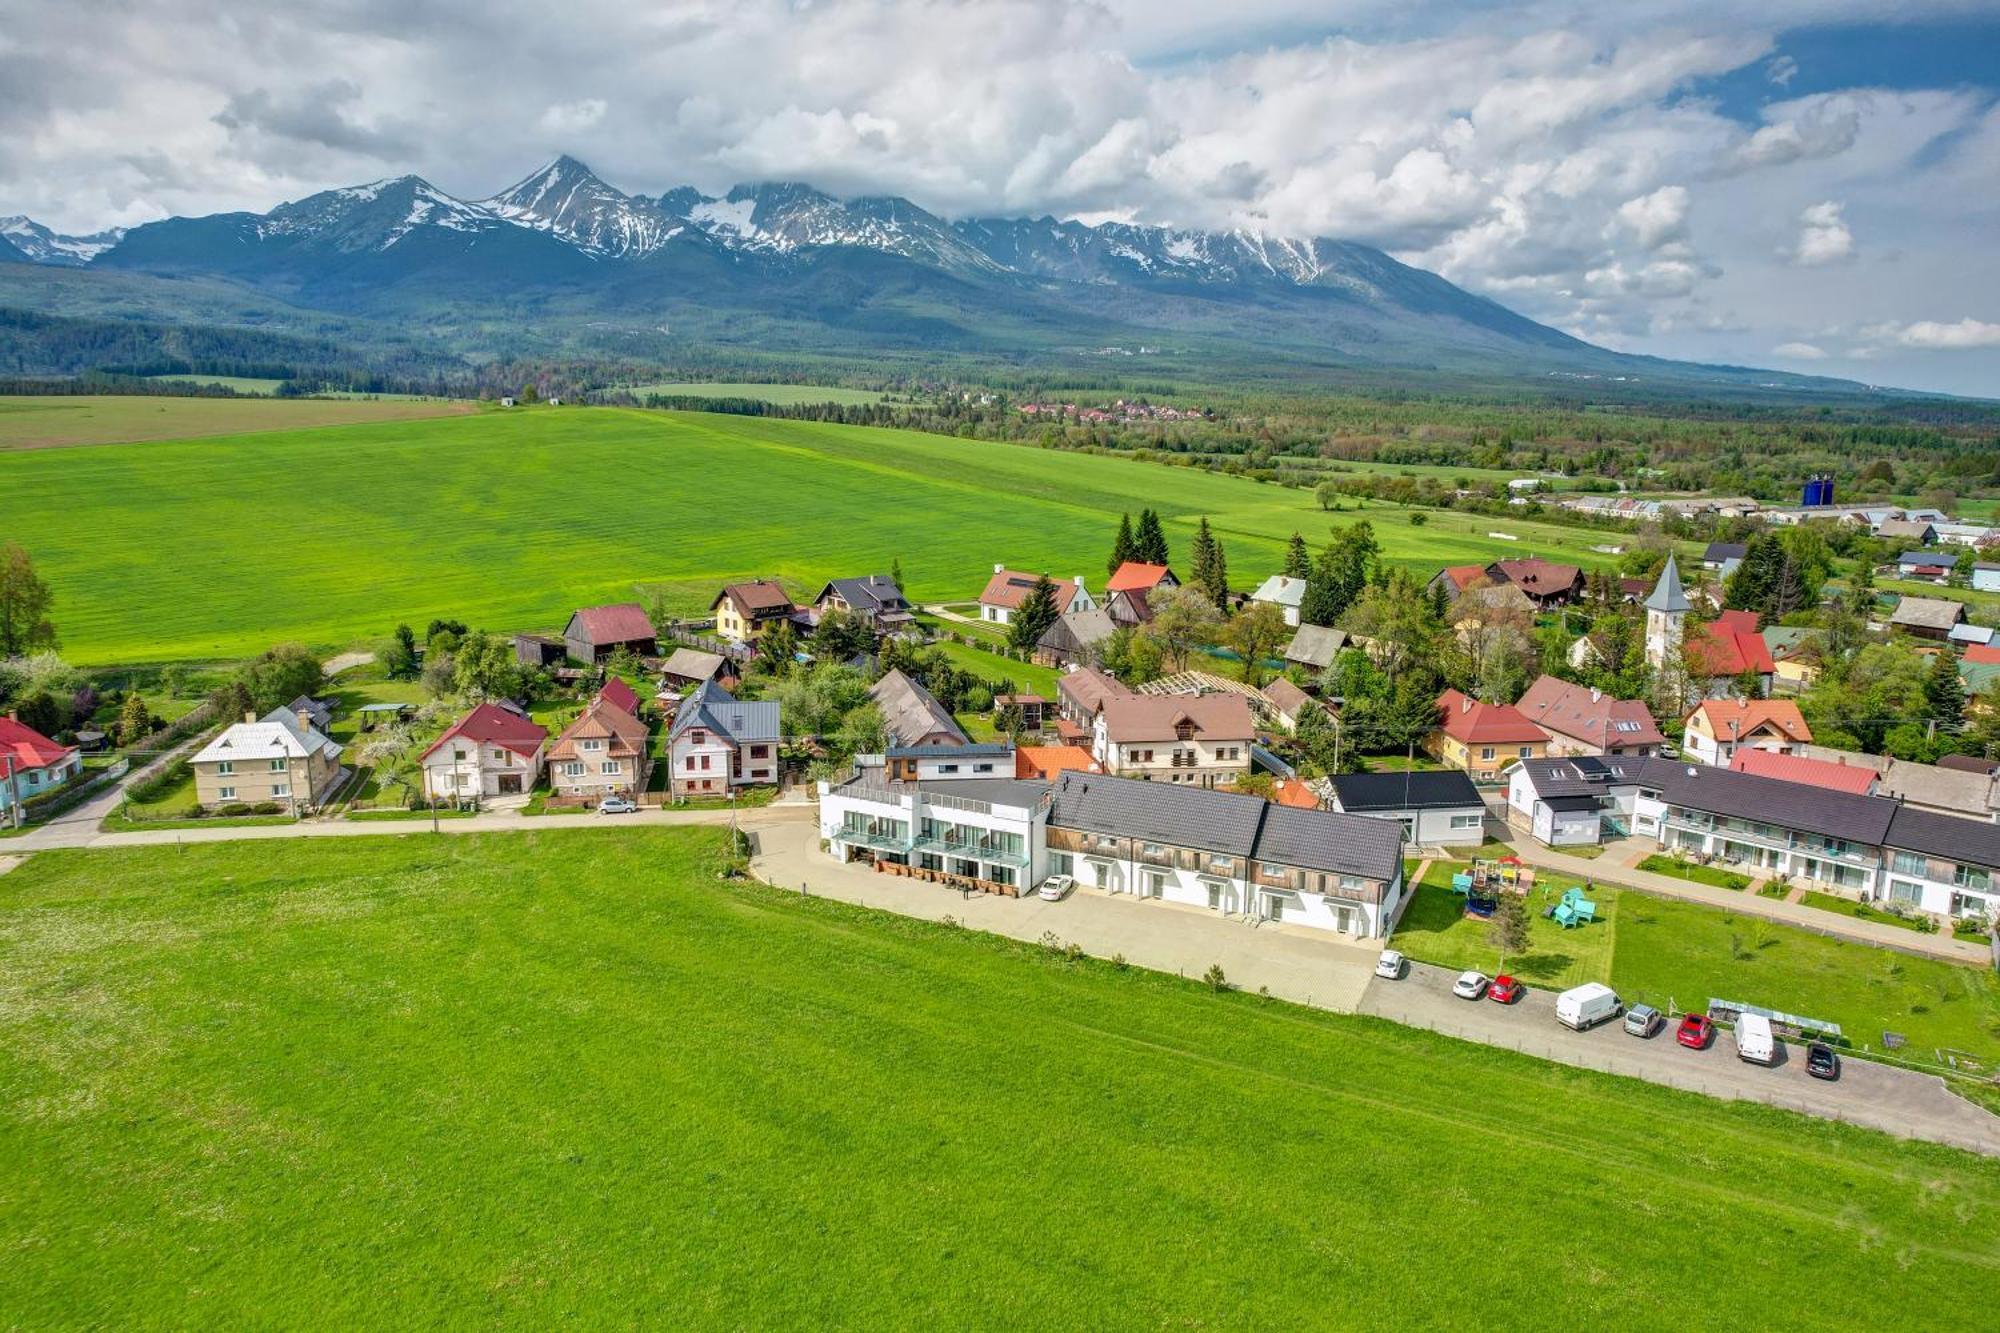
(218, 547)
(574, 1076)
(59, 421)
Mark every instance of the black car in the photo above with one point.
(1821, 1062)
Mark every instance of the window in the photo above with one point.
(1972, 877)
(573, 769)
(592, 745)
(278, 766)
(610, 766)
(225, 793)
(499, 756)
(1486, 753)
(982, 768)
(1909, 863)
(1467, 821)
(1527, 752)
(704, 763)
(760, 752)
(281, 790)
(947, 768)
(225, 768)
(1062, 863)
(1905, 892)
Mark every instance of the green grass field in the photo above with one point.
(568, 1077)
(784, 395)
(1671, 953)
(29, 423)
(221, 547)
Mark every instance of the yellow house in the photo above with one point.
(1482, 739)
(744, 611)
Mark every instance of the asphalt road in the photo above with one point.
(1898, 1101)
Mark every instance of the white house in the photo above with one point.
(488, 752)
(1284, 592)
(1436, 809)
(1009, 588)
(986, 829)
(717, 743)
(1201, 740)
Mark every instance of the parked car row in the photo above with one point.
(1584, 1007)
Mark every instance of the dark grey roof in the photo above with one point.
(1446, 789)
(1792, 805)
(1974, 841)
(1720, 551)
(910, 712)
(1217, 821)
(711, 706)
(1315, 645)
(1158, 812)
(1556, 779)
(1330, 841)
(873, 592)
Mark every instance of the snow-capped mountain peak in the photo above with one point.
(43, 246)
(567, 200)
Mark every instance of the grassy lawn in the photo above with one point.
(174, 799)
(1667, 952)
(1436, 929)
(425, 815)
(1027, 677)
(569, 1077)
(1662, 864)
(1860, 911)
(1772, 889)
(1686, 952)
(472, 515)
(57, 421)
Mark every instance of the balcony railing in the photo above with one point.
(934, 799)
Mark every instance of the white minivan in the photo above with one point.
(1586, 1006)
(1754, 1041)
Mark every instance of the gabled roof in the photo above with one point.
(1138, 718)
(618, 692)
(1972, 841)
(910, 713)
(602, 719)
(490, 724)
(1905, 527)
(1136, 576)
(758, 599)
(694, 664)
(737, 721)
(1471, 722)
(1668, 596)
(1439, 789)
(1082, 629)
(279, 734)
(1281, 590)
(1851, 778)
(1009, 588)
(1792, 805)
(1727, 646)
(1315, 646)
(1460, 577)
(1088, 688)
(620, 622)
(1937, 558)
(1729, 719)
(1718, 552)
(28, 747)
(1927, 613)
(1228, 824)
(1588, 715)
(1286, 697)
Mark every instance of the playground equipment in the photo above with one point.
(1573, 910)
(1486, 878)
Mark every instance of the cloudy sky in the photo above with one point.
(1818, 192)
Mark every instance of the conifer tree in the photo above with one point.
(1298, 562)
(1149, 541)
(1122, 546)
(1038, 612)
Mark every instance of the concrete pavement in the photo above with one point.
(1616, 867)
(1898, 1101)
(1304, 966)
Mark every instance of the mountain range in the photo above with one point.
(562, 259)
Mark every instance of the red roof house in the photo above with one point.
(1473, 722)
(1545, 582)
(1585, 721)
(1009, 588)
(618, 692)
(1729, 645)
(491, 751)
(1855, 779)
(1134, 576)
(31, 763)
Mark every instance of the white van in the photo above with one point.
(1754, 1041)
(1586, 1006)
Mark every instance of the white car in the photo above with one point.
(1389, 965)
(616, 805)
(1055, 888)
(1470, 985)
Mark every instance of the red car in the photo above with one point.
(1505, 989)
(1695, 1032)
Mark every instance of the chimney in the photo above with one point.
(1595, 694)
(997, 568)
(249, 717)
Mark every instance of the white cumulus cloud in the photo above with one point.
(1930, 334)
(1823, 236)
(1799, 352)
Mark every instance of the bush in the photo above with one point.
(235, 810)
(267, 808)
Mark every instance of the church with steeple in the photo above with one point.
(1666, 617)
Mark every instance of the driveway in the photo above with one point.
(1303, 966)
(1899, 1101)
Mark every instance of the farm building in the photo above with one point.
(596, 632)
(1314, 647)
(1927, 617)
(1074, 639)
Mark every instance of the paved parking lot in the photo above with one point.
(1899, 1101)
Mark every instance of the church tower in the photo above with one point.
(1666, 614)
